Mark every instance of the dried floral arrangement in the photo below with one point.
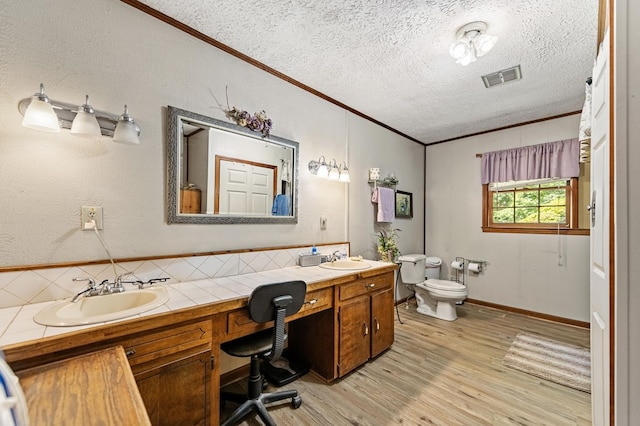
(258, 122)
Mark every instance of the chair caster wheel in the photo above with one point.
(296, 402)
(265, 384)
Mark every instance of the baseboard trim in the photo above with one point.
(234, 375)
(568, 321)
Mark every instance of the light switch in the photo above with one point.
(323, 222)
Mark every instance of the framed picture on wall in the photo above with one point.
(404, 204)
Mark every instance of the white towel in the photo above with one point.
(385, 197)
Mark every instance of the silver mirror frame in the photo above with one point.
(175, 115)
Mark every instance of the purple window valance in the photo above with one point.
(547, 160)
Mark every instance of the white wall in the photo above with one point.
(119, 55)
(522, 270)
(406, 160)
(627, 202)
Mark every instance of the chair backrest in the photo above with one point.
(261, 302)
(274, 302)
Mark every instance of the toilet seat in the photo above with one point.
(443, 285)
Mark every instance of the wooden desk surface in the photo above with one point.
(92, 389)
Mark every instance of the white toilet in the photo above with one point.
(436, 298)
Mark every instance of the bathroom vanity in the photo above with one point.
(346, 320)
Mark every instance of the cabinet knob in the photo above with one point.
(370, 285)
(130, 353)
(311, 302)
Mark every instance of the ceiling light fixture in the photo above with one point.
(472, 41)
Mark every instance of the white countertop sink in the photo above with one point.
(96, 309)
(346, 265)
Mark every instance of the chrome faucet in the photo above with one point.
(91, 290)
(334, 256)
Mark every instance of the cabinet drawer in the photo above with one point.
(316, 301)
(238, 322)
(365, 286)
(157, 348)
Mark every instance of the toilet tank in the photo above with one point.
(412, 268)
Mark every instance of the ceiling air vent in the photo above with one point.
(501, 77)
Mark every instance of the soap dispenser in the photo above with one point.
(314, 250)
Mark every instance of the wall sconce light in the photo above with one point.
(85, 124)
(472, 41)
(334, 172)
(319, 168)
(344, 173)
(127, 130)
(329, 170)
(41, 113)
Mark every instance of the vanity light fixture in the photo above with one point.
(43, 114)
(330, 170)
(472, 41)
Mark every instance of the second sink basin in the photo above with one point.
(346, 265)
(95, 309)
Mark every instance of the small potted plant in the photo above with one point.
(388, 246)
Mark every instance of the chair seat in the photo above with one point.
(257, 343)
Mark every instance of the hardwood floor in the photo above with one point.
(442, 373)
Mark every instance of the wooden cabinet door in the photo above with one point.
(178, 393)
(355, 334)
(382, 325)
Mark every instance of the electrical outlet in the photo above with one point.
(323, 222)
(89, 213)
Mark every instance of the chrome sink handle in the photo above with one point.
(118, 283)
(141, 284)
(92, 288)
(92, 282)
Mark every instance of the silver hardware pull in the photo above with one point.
(370, 285)
(592, 209)
(377, 324)
(366, 329)
(130, 352)
(311, 302)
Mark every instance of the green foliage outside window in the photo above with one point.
(536, 204)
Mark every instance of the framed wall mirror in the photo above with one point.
(222, 173)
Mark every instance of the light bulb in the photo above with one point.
(484, 43)
(334, 173)
(40, 114)
(126, 130)
(86, 124)
(345, 176)
(323, 170)
(459, 49)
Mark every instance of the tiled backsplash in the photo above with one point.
(19, 288)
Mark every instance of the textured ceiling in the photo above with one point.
(389, 59)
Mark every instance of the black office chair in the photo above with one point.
(267, 302)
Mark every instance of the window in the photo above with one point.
(537, 206)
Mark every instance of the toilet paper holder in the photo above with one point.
(458, 266)
(476, 266)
